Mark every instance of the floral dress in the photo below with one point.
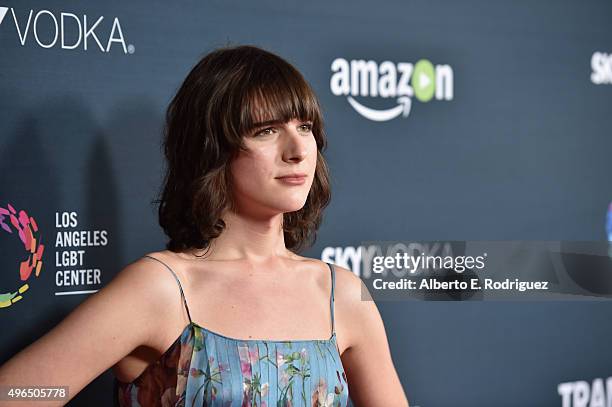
(204, 368)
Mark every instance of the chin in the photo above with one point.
(293, 207)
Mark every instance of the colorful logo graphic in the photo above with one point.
(27, 231)
(609, 230)
(400, 81)
(609, 223)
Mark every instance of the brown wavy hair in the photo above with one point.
(223, 96)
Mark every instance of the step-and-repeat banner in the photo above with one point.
(461, 120)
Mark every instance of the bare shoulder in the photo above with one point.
(348, 304)
(365, 345)
(348, 285)
(150, 286)
(121, 316)
(350, 291)
(146, 278)
(354, 307)
(155, 302)
(158, 269)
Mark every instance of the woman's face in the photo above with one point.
(274, 150)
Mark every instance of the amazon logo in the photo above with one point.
(359, 79)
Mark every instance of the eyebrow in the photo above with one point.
(266, 123)
(269, 122)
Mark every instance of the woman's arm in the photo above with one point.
(372, 379)
(94, 336)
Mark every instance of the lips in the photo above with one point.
(292, 178)
(297, 176)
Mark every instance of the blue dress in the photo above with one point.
(205, 368)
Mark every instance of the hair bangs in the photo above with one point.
(277, 95)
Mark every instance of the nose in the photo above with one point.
(295, 144)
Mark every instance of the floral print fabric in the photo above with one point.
(203, 368)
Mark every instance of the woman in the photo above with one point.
(252, 322)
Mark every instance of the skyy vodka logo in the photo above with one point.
(49, 29)
(601, 65)
(398, 82)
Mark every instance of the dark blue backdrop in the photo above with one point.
(514, 144)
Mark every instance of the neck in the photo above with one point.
(256, 241)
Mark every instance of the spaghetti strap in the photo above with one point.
(179, 284)
(331, 301)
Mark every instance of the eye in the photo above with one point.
(264, 132)
(306, 127)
